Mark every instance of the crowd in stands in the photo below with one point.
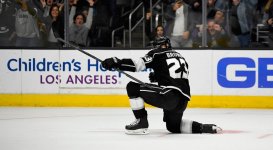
(230, 23)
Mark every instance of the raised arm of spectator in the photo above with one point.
(43, 3)
(170, 12)
(89, 18)
(61, 5)
(72, 12)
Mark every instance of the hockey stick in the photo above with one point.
(96, 58)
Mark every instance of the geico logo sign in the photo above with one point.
(244, 72)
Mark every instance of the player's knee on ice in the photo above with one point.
(133, 89)
(173, 127)
(173, 122)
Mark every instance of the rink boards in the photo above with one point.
(218, 78)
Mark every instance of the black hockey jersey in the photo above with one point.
(171, 69)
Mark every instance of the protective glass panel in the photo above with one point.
(133, 24)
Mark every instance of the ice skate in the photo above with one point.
(211, 128)
(138, 127)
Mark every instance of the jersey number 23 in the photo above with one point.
(177, 68)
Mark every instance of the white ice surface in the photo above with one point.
(103, 129)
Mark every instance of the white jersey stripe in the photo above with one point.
(148, 91)
(176, 88)
(128, 65)
(139, 64)
(163, 52)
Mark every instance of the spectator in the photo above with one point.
(239, 22)
(7, 21)
(211, 8)
(54, 16)
(79, 28)
(216, 35)
(4, 6)
(220, 19)
(178, 24)
(46, 4)
(211, 4)
(148, 17)
(26, 27)
(100, 32)
(196, 13)
(158, 33)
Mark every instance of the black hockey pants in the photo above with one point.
(171, 101)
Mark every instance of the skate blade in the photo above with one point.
(218, 129)
(137, 132)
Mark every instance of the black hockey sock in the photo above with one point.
(196, 127)
(140, 113)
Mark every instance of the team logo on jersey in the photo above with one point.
(147, 58)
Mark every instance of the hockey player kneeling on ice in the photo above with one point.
(171, 94)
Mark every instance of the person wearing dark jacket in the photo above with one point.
(241, 14)
(269, 21)
(178, 24)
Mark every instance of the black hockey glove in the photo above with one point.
(152, 77)
(111, 63)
